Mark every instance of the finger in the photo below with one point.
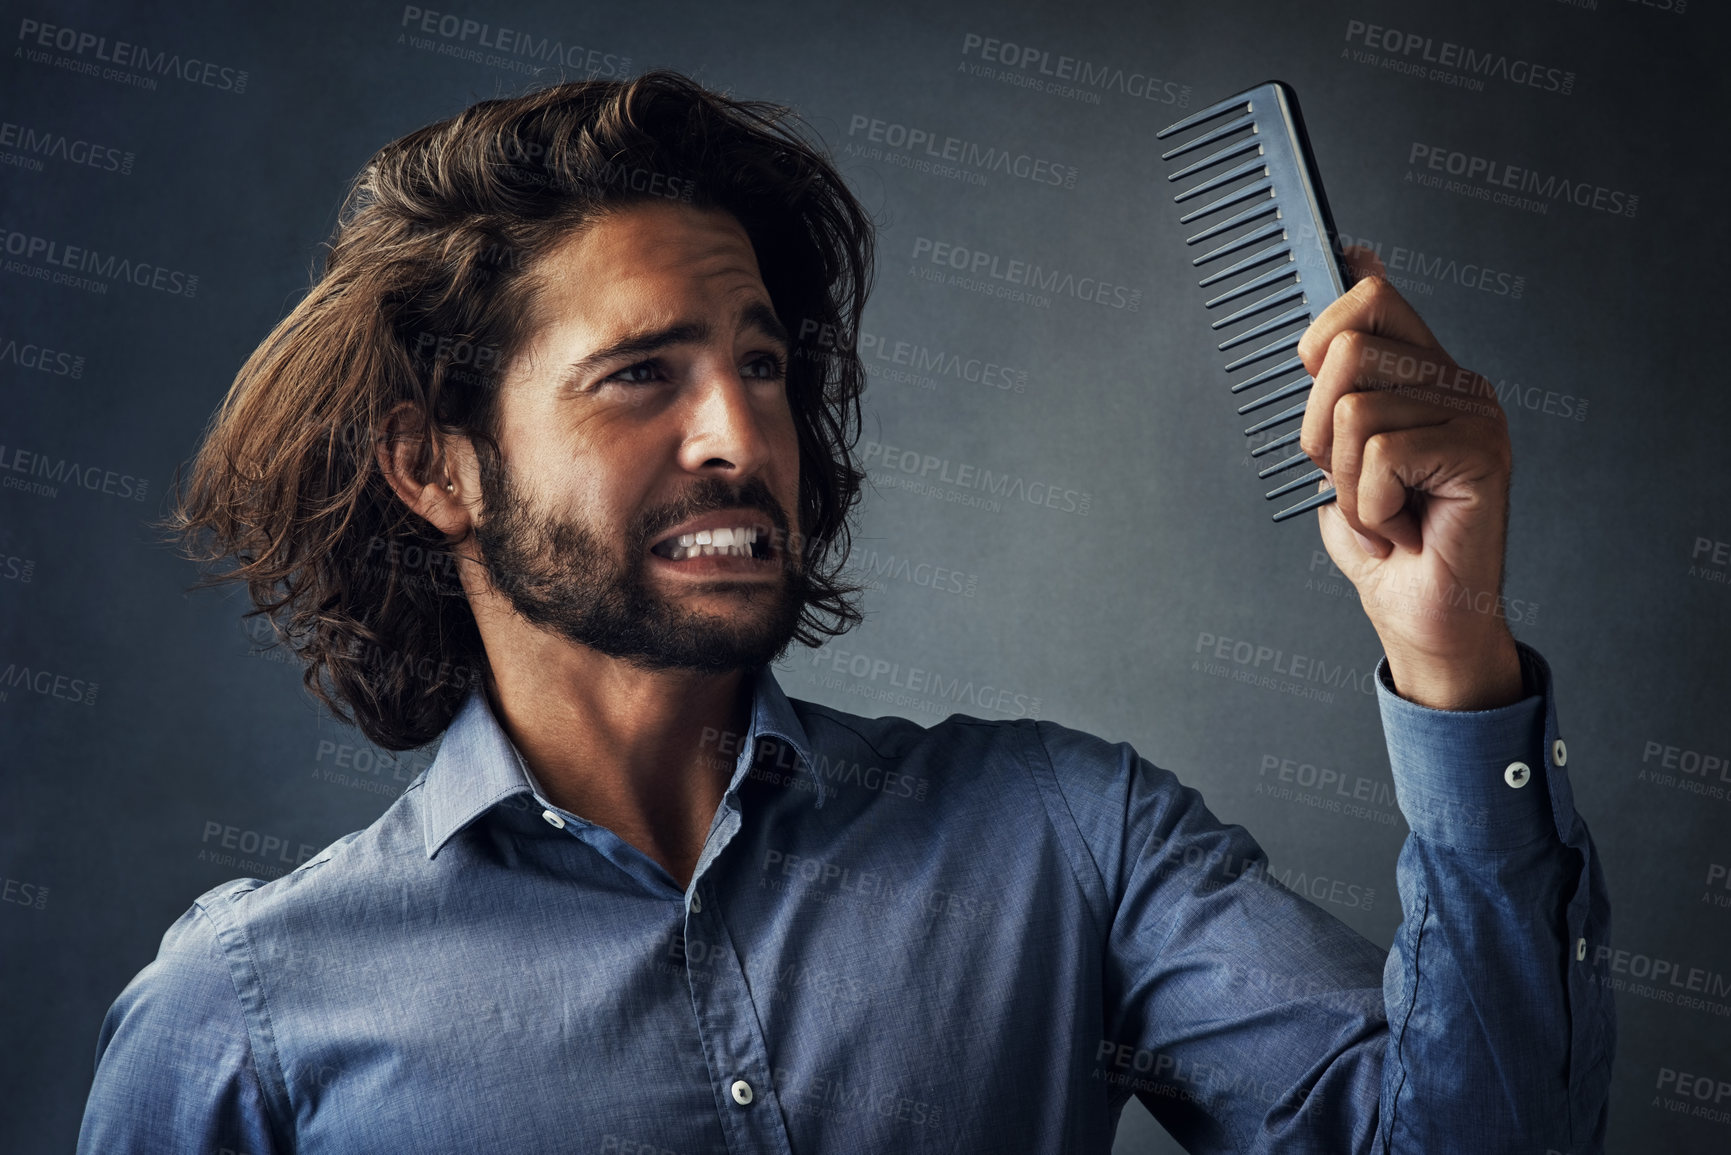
(1356, 361)
(1371, 306)
(1403, 468)
(1358, 418)
(1432, 374)
(1420, 372)
(1382, 497)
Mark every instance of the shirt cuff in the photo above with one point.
(1472, 779)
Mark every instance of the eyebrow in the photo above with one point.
(757, 315)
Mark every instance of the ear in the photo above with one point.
(444, 497)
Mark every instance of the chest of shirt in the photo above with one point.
(883, 974)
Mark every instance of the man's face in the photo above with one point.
(651, 459)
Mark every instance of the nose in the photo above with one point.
(726, 433)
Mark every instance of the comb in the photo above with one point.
(1269, 252)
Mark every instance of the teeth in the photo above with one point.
(727, 542)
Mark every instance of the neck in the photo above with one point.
(629, 749)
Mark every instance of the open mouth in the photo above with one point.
(744, 541)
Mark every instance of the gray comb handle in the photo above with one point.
(1271, 252)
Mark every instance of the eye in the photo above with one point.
(768, 367)
(630, 374)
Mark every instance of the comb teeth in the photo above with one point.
(1255, 164)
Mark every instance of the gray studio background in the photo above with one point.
(162, 735)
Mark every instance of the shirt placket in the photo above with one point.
(734, 1049)
(727, 1023)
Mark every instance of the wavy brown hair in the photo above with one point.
(429, 289)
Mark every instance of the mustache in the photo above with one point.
(710, 495)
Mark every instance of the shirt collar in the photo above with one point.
(477, 767)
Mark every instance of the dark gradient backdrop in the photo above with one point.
(149, 753)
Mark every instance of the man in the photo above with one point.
(642, 901)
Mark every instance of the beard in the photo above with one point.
(560, 575)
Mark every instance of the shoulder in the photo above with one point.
(210, 971)
(1085, 760)
(178, 1060)
(187, 983)
(325, 895)
(1087, 784)
(959, 739)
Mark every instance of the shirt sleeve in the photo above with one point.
(1502, 1023)
(1247, 1019)
(174, 1063)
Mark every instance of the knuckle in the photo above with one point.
(1352, 346)
(1350, 412)
(1374, 288)
(1377, 451)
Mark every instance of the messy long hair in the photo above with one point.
(428, 291)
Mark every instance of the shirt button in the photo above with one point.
(741, 1092)
(553, 818)
(696, 903)
(1559, 753)
(1581, 950)
(1518, 774)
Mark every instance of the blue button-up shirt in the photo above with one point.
(979, 937)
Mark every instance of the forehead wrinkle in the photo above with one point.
(717, 262)
(709, 248)
(699, 235)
